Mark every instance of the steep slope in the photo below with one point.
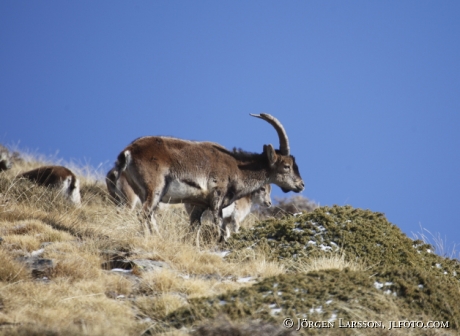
(404, 280)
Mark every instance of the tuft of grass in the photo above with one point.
(333, 260)
(11, 270)
(158, 307)
(440, 244)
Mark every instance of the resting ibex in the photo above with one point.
(204, 173)
(57, 177)
(236, 212)
(5, 160)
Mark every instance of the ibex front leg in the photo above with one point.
(216, 209)
(195, 221)
(149, 208)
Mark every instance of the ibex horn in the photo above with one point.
(284, 142)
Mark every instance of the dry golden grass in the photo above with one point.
(11, 270)
(66, 306)
(79, 297)
(330, 260)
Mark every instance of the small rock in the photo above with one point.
(37, 253)
(111, 294)
(214, 276)
(246, 279)
(39, 266)
(117, 264)
(121, 270)
(149, 265)
(139, 265)
(21, 228)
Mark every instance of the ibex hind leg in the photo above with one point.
(150, 206)
(195, 222)
(195, 216)
(227, 227)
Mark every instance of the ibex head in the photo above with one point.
(262, 196)
(284, 171)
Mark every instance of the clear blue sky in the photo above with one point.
(368, 91)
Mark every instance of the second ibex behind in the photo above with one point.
(205, 174)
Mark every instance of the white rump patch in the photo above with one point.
(72, 195)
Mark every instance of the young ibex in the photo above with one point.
(122, 194)
(57, 177)
(204, 174)
(236, 212)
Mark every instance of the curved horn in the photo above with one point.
(284, 142)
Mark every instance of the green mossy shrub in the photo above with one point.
(273, 299)
(360, 234)
(327, 295)
(405, 280)
(423, 293)
(223, 327)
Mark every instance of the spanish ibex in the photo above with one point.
(236, 212)
(58, 177)
(122, 194)
(205, 174)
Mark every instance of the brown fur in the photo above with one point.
(120, 190)
(244, 205)
(236, 212)
(56, 177)
(201, 173)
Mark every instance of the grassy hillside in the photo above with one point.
(90, 271)
(341, 263)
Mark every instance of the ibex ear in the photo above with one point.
(271, 154)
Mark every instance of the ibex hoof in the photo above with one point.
(222, 240)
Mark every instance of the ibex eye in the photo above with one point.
(262, 189)
(287, 167)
